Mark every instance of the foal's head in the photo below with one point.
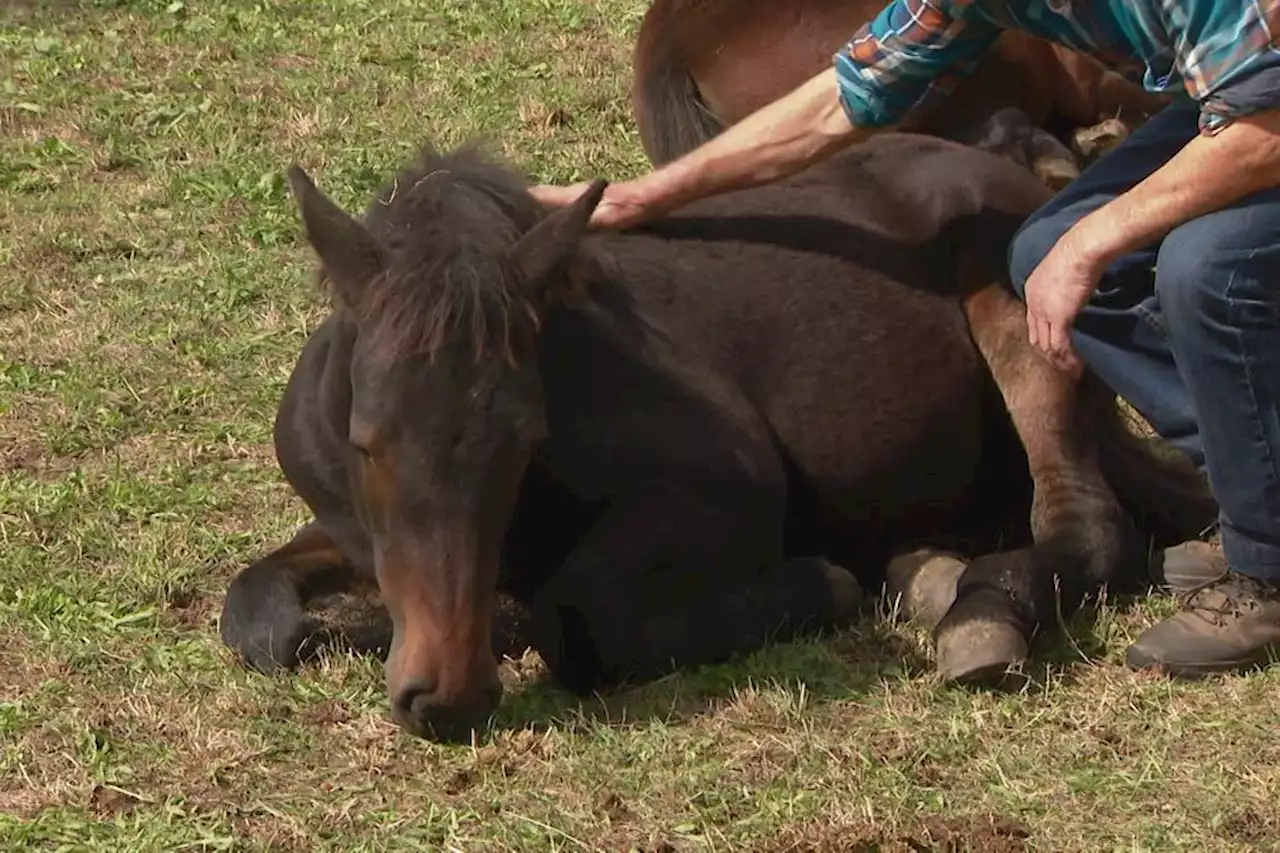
(445, 281)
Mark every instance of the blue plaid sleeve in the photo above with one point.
(1231, 59)
(911, 51)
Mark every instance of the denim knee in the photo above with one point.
(1197, 280)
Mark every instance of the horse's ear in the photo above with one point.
(348, 252)
(552, 243)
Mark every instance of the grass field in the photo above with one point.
(154, 292)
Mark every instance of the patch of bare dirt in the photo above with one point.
(913, 761)
(544, 119)
(356, 615)
(274, 831)
(24, 667)
(45, 772)
(41, 258)
(194, 613)
(988, 833)
(110, 801)
(511, 627)
(20, 801)
(1253, 827)
(25, 453)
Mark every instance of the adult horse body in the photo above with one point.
(702, 65)
(657, 439)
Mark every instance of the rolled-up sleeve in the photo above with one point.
(911, 50)
(1231, 59)
(1252, 87)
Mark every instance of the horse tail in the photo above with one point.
(1164, 493)
(672, 117)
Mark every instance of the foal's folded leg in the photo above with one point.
(1011, 134)
(264, 615)
(1052, 162)
(801, 597)
(666, 579)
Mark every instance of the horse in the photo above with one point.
(677, 443)
(701, 65)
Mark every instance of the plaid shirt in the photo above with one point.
(1225, 54)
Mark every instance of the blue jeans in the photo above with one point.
(1188, 331)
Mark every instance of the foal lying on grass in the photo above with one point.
(677, 443)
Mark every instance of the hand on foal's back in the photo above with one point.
(618, 208)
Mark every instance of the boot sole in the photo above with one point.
(1137, 660)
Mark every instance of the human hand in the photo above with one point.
(620, 206)
(1056, 291)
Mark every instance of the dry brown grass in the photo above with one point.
(153, 296)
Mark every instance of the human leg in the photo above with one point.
(1121, 334)
(1216, 284)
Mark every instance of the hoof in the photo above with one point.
(1090, 143)
(980, 652)
(1056, 172)
(924, 582)
(263, 620)
(271, 647)
(847, 597)
(562, 635)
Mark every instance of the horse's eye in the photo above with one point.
(361, 451)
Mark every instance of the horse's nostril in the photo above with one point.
(414, 698)
(422, 709)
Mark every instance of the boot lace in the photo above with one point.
(1229, 595)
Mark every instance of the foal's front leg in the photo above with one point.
(666, 580)
(1082, 536)
(266, 618)
(1011, 134)
(802, 596)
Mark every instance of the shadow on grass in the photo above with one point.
(839, 665)
(808, 672)
(844, 666)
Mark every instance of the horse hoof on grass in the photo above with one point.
(272, 648)
(846, 593)
(924, 584)
(847, 597)
(842, 597)
(981, 653)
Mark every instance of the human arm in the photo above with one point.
(1237, 155)
(883, 71)
(1209, 173)
(777, 140)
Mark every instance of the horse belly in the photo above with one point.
(881, 412)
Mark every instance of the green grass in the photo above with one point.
(154, 291)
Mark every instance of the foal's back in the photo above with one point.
(831, 303)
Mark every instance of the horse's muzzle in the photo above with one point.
(427, 713)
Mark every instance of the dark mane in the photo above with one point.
(446, 224)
